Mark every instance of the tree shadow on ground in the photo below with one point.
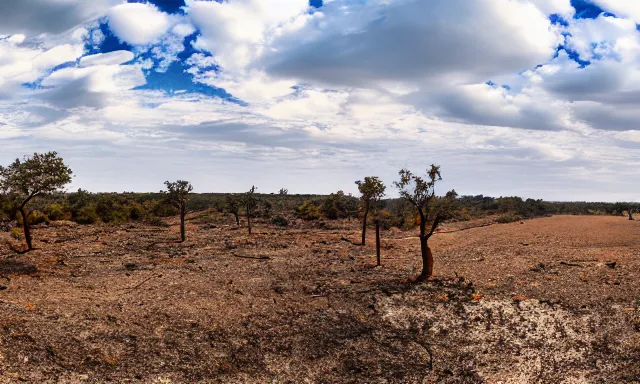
(10, 267)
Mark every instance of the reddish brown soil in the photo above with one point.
(538, 301)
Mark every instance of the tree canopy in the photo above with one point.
(34, 176)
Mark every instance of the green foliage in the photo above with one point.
(160, 208)
(250, 201)
(508, 218)
(16, 233)
(34, 176)
(24, 180)
(339, 206)
(280, 221)
(56, 212)
(309, 210)
(86, 215)
(34, 218)
(178, 192)
(421, 193)
(263, 209)
(386, 219)
(372, 190)
(233, 203)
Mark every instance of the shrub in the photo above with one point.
(35, 218)
(309, 210)
(338, 206)
(386, 218)
(87, 215)
(280, 221)
(136, 211)
(56, 212)
(156, 222)
(16, 233)
(508, 218)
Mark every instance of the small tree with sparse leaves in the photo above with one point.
(178, 195)
(420, 193)
(250, 202)
(372, 190)
(283, 192)
(234, 203)
(32, 177)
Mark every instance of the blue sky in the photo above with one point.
(529, 97)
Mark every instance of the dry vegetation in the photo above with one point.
(547, 300)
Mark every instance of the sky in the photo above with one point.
(536, 98)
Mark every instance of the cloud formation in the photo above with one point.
(530, 97)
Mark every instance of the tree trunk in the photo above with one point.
(378, 243)
(237, 218)
(182, 232)
(630, 214)
(427, 259)
(26, 229)
(364, 227)
(249, 218)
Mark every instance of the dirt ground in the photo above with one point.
(552, 300)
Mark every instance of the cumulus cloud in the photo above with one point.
(89, 86)
(237, 32)
(334, 93)
(622, 8)
(33, 17)
(357, 44)
(138, 23)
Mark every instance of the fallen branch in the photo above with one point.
(570, 264)
(253, 257)
(142, 282)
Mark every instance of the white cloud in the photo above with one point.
(622, 8)
(353, 88)
(138, 23)
(111, 58)
(32, 17)
(237, 32)
(359, 44)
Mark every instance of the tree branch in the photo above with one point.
(434, 226)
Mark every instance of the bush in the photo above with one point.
(56, 212)
(136, 211)
(35, 218)
(279, 221)
(87, 215)
(386, 218)
(161, 209)
(16, 233)
(508, 218)
(309, 210)
(339, 206)
(156, 222)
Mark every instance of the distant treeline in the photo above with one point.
(88, 208)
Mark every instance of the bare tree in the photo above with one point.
(283, 191)
(420, 193)
(250, 202)
(178, 195)
(372, 190)
(233, 203)
(32, 177)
